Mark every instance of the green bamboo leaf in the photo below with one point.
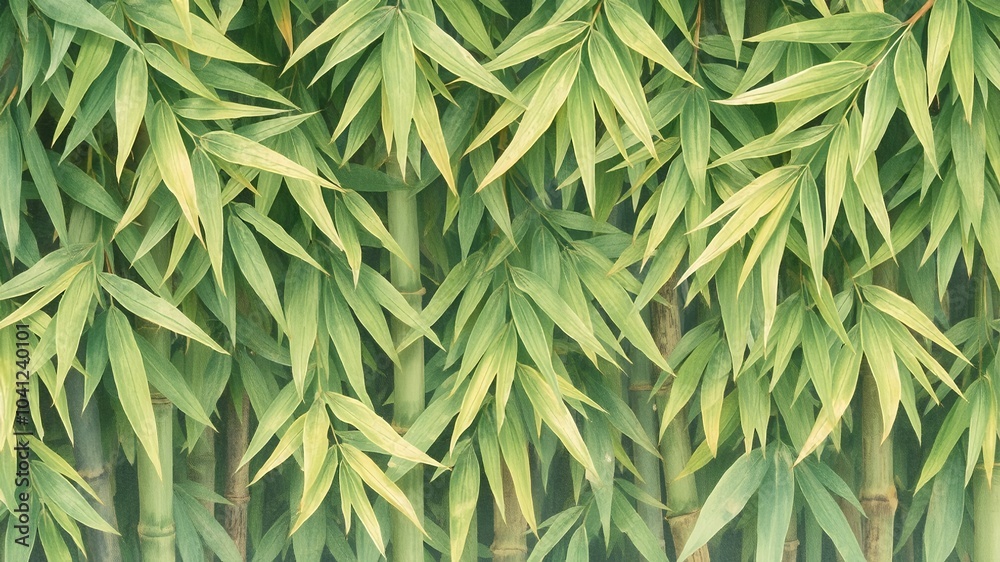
(911, 82)
(315, 442)
(553, 305)
(444, 50)
(940, 31)
(10, 175)
(71, 319)
(368, 312)
(339, 21)
(945, 511)
(132, 384)
(552, 409)
(558, 525)
(356, 38)
(847, 27)
(467, 22)
(164, 62)
(203, 38)
(45, 271)
(58, 464)
(369, 219)
(167, 380)
(771, 144)
(352, 411)
(146, 305)
(377, 480)
(962, 59)
(254, 268)
(552, 92)
(537, 43)
(301, 298)
(346, 338)
(82, 14)
(828, 514)
(383, 292)
(501, 356)
(212, 533)
(623, 90)
(968, 147)
(44, 296)
(275, 416)
(314, 496)
(463, 497)
(870, 191)
(400, 87)
(813, 81)
(40, 168)
(775, 505)
(201, 109)
(532, 335)
(882, 363)
(209, 198)
(242, 151)
(428, 123)
(583, 132)
(881, 99)
(354, 496)
(727, 499)
(634, 31)
(130, 103)
(769, 193)
(734, 12)
(696, 131)
(910, 315)
(173, 161)
(62, 494)
(289, 443)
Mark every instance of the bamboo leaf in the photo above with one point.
(847, 27)
(339, 21)
(444, 50)
(146, 305)
(727, 499)
(10, 175)
(132, 385)
(376, 479)
(537, 43)
(399, 83)
(63, 494)
(775, 505)
(82, 14)
(552, 92)
(254, 267)
(553, 410)
(910, 81)
(376, 429)
(910, 315)
(813, 81)
(882, 362)
(463, 496)
(829, 515)
(635, 32)
(242, 151)
(945, 511)
(173, 161)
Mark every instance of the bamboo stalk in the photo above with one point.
(408, 376)
(675, 447)
(790, 551)
(986, 515)
(156, 491)
(238, 478)
(509, 526)
(92, 467)
(647, 464)
(878, 487)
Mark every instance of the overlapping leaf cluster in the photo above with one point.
(659, 247)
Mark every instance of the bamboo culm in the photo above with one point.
(407, 539)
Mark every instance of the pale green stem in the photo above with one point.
(675, 447)
(408, 379)
(93, 468)
(986, 515)
(509, 541)
(878, 487)
(647, 464)
(156, 490)
(238, 478)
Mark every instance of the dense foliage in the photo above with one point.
(560, 279)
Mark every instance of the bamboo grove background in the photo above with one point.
(456, 279)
